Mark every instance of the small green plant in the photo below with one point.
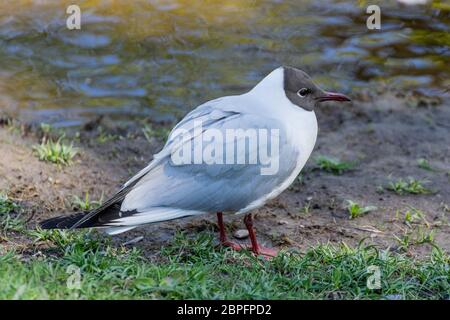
(412, 186)
(424, 164)
(56, 152)
(61, 238)
(409, 217)
(306, 208)
(7, 221)
(85, 204)
(404, 241)
(355, 210)
(160, 133)
(6, 204)
(414, 215)
(12, 125)
(49, 131)
(104, 137)
(415, 237)
(424, 236)
(46, 128)
(332, 165)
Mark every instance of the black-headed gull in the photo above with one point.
(231, 154)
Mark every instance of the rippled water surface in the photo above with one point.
(158, 59)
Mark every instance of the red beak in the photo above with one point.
(331, 96)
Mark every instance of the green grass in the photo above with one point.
(332, 165)
(356, 210)
(412, 186)
(414, 216)
(48, 131)
(424, 164)
(104, 137)
(160, 133)
(415, 237)
(56, 152)
(6, 204)
(306, 208)
(10, 211)
(197, 269)
(46, 128)
(85, 204)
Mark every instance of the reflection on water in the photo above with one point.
(159, 58)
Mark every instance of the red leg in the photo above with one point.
(223, 235)
(256, 248)
(222, 232)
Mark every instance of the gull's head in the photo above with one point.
(303, 92)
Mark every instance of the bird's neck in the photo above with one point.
(270, 90)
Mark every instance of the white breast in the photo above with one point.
(302, 134)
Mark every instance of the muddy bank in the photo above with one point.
(384, 134)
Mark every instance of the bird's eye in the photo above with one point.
(303, 92)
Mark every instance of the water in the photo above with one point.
(158, 59)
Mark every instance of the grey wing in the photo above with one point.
(170, 190)
(207, 114)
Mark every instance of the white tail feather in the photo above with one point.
(116, 230)
(156, 214)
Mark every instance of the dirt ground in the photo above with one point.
(385, 133)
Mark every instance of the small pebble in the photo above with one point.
(281, 222)
(133, 241)
(241, 234)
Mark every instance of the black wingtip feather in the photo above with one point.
(99, 217)
(96, 218)
(62, 222)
